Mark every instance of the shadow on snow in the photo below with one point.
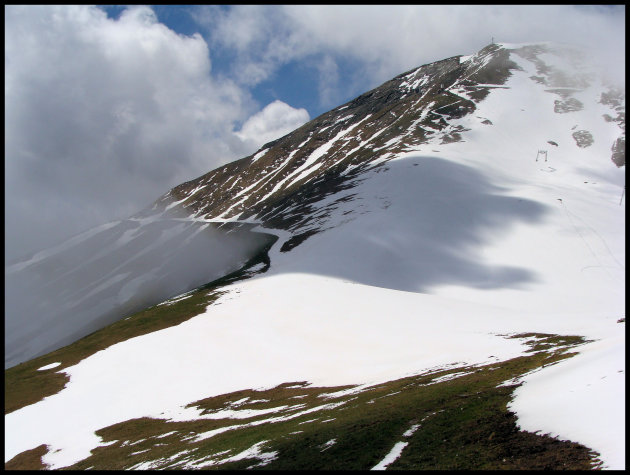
(418, 222)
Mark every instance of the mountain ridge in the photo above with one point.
(423, 244)
(408, 102)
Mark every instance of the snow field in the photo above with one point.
(441, 257)
(341, 339)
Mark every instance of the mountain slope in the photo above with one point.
(117, 269)
(277, 185)
(420, 230)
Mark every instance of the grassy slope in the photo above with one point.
(463, 423)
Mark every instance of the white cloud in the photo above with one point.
(274, 121)
(385, 40)
(261, 37)
(103, 116)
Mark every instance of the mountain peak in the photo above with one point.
(419, 108)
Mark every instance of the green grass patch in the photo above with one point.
(459, 413)
(25, 385)
(28, 460)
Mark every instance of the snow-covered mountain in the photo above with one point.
(450, 218)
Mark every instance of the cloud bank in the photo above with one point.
(274, 121)
(103, 116)
(385, 40)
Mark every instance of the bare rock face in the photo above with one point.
(583, 138)
(616, 100)
(619, 152)
(569, 105)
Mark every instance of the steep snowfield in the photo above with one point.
(434, 259)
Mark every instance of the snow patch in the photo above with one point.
(391, 457)
(49, 366)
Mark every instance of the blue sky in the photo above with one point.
(108, 107)
(294, 82)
